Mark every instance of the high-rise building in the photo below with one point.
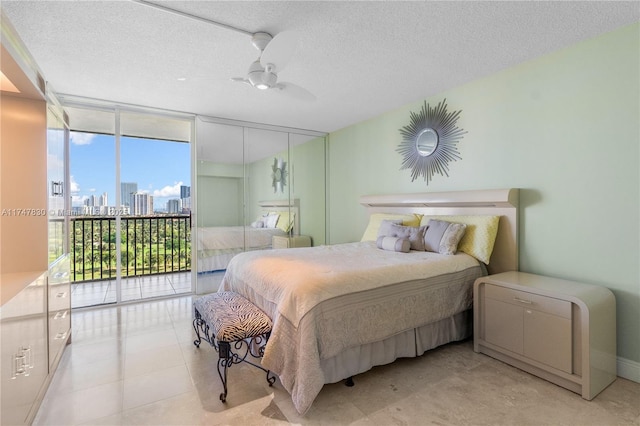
(185, 198)
(127, 189)
(186, 204)
(142, 203)
(174, 206)
(185, 191)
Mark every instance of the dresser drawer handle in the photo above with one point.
(61, 294)
(60, 336)
(60, 315)
(22, 362)
(528, 302)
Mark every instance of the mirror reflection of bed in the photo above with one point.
(217, 245)
(338, 310)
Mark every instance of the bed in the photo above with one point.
(339, 310)
(218, 244)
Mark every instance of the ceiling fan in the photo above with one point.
(275, 53)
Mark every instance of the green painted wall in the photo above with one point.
(220, 189)
(308, 185)
(564, 128)
(305, 182)
(260, 184)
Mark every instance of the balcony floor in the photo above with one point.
(101, 292)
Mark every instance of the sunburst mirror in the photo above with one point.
(279, 174)
(429, 141)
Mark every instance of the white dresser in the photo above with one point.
(25, 358)
(560, 330)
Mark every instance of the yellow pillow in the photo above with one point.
(371, 233)
(285, 221)
(480, 236)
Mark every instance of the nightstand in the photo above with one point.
(562, 331)
(283, 241)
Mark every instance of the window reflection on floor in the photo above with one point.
(135, 288)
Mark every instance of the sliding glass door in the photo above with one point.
(131, 223)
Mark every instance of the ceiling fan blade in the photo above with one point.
(241, 80)
(295, 91)
(280, 50)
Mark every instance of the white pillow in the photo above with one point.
(271, 220)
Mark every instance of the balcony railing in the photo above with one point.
(148, 245)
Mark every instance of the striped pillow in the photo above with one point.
(443, 237)
(393, 244)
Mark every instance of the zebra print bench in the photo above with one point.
(235, 327)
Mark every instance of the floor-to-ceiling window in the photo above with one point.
(130, 231)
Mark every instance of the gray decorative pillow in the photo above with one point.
(393, 244)
(443, 237)
(415, 235)
(385, 225)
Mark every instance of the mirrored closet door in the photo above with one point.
(257, 188)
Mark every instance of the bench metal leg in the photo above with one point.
(227, 356)
(200, 325)
(225, 360)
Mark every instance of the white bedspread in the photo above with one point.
(231, 237)
(329, 298)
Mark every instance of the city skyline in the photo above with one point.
(158, 168)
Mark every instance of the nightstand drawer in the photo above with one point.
(561, 308)
(281, 241)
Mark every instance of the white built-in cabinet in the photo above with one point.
(25, 364)
(35, 296)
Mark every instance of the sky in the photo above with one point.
(158, 167)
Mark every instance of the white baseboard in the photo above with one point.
(628, 369)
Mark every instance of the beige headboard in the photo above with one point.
(496, 202)
(291, 206)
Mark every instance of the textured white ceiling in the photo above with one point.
(359, 58)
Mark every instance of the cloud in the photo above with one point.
(78, 200)
(169, 191)
(74, 186)
(79, 138)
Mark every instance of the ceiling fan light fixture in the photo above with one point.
(260, 78)
(268, 80)
(255, 73)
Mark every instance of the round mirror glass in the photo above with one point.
(426, 142)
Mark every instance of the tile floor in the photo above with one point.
(135, 288)
(136, 364)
